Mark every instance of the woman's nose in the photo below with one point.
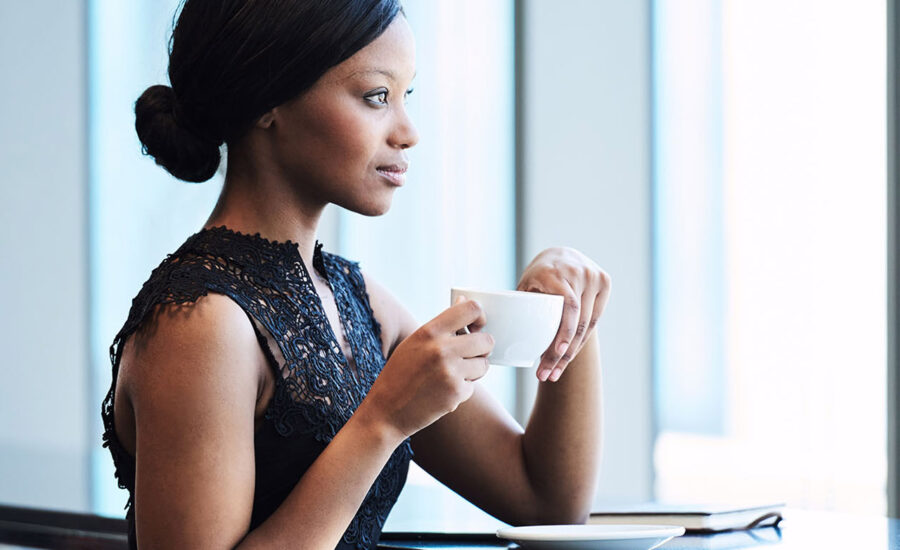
(405, 135)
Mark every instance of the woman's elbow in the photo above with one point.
(565, 517)
(560, 513)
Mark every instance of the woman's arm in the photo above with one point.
(563, 437)
(562, 442)
(547, 473)
(543, 475)
(193, 387)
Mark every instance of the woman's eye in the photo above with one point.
(380, 97)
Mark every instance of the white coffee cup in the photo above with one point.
(523, 324)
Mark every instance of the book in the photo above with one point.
(694, 518)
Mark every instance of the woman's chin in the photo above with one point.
(371, 209)
(382, 210)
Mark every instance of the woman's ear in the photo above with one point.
(265, 122)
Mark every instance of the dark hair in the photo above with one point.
(231, 61)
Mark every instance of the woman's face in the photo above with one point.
(343, 141)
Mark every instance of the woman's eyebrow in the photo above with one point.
(385, 72)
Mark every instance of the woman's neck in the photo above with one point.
(254, 201)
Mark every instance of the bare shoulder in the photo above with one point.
(209, 338)
(396, 321)
(184, 356)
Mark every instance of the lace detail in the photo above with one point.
(316, 390)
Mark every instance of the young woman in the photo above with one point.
(267, 394)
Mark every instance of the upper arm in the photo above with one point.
(192, 385)
(396, 321)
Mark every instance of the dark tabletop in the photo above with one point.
(801, 530)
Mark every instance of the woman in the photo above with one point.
(268, 394)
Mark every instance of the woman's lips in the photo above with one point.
(396, 175)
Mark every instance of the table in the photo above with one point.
(800, 530)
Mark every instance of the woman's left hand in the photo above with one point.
(585, 288)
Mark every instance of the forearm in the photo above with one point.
(325, 500)
(561, 443)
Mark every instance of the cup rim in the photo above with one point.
(509, 293)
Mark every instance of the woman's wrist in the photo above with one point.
(380, 433)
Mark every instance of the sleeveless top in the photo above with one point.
(315, 390)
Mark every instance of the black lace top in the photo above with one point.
(316, 391)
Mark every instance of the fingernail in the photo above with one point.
(562, 347)
(542, 375)
(556, 374)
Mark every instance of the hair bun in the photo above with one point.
(181, 151)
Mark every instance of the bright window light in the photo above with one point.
(773, 113)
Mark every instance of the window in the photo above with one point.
(770, 239)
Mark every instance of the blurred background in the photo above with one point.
(724, 160)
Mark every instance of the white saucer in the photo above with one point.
(594, 537)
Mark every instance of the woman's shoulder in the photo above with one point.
(202, 340)
(209, 317)
(185, 354)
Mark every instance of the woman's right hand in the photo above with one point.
(432, 371)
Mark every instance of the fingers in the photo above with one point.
(479, 323)
(461, 315)
(476, 344)
(593, 295)
(593, 301)
(474, 369)
(602, 299)
(588, 299)
(568, 326)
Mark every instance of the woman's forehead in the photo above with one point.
(392, 54)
